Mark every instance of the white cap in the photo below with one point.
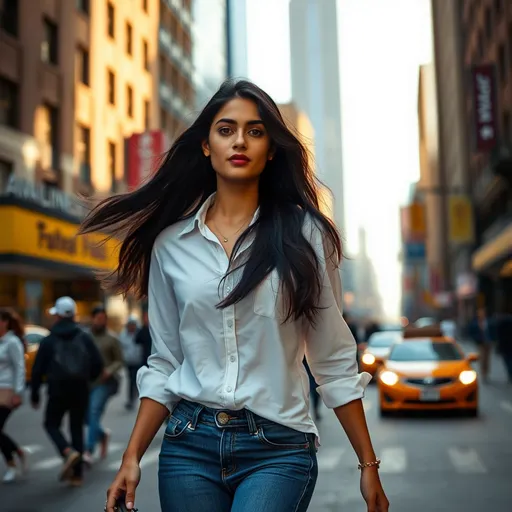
(64, 306)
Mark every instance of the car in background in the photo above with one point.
(34, 334)
(428, 373)
(377, 349)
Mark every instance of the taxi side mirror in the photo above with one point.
(472, 357)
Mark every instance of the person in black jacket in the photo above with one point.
(143, 337)
(70, 361)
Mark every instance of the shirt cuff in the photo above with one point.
(151, 384)
(342, 391)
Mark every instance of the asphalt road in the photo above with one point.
(441, 463)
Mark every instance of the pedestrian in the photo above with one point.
(143, 337)
(105, 387)
(69, 361)
(241, 272)
(12, 385)
(480, 333)
(133, 354)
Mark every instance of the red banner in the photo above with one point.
(143, 153)
(485, 107)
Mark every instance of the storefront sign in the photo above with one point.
(461, 219)
(484, 107)
(28, 233)
(144, 151)
(42, 195)
(413, 223)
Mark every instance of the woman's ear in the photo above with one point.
(271, 153)
(206, 148)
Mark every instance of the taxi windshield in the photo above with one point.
(383, 339)
(425, 351)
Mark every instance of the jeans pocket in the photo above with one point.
(176, 428)
(281, 437)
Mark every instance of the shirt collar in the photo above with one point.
(199, 218)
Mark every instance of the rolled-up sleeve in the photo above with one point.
(330, 346)
(166, 354)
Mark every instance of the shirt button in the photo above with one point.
(232, 359)
(230, 323)
(228, 389)
(228, 289)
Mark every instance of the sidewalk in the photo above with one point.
(497, 375)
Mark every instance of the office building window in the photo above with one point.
(507, 128)
(145, 5)
(111, 87)
(47, 130)
(498, 6)
(163, 67)
(129, 101)
(84, 154)
(6, 168)
(145, 54)
(488, 23)
(129, 39)
(112, 166)
(146, 114)
(9, 17)
(111, 20)
(163, 119)
(83, 6)
(502, 64)
(50, 44)
(82, 65)
(9, 103)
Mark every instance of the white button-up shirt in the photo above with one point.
(242, 356)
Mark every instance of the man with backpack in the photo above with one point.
(70, 361)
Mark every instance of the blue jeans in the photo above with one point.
(98, 399)
(221, 461)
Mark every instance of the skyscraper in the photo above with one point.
(316, 87)
(237, 38)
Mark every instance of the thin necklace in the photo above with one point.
(224, 238)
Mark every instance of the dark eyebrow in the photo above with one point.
(232, 121)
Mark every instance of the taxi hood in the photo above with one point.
(428, 368)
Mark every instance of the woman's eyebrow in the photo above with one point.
(232, 121)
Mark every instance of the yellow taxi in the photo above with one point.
(34, 334)
(377, 349)
(425, 372)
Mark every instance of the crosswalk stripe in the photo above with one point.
(150, 457)
(32, 448)
(394, 460)
(330, 459)
(466, 460)
(50, 463)
(505, 405)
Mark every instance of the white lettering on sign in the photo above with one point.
(44, 196)
(484, 94)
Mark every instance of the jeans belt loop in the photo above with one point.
(251, 422)
(195, 417)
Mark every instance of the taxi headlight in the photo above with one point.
(467, 376)
(389, 378)
(368, 358)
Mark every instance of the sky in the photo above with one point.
(381, 45)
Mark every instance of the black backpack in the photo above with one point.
(72, 359)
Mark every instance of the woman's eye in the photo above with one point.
(225, 130)
(256, 133)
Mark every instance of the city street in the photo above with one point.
(429, 463)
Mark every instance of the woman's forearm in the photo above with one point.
(353, 420)
(149, 419)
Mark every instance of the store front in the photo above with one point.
(41, 256)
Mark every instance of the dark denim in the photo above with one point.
(98, 399)
(221, 460)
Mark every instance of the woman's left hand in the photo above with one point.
(372, 491)
(16, 401)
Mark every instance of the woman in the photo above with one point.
(12, 383)
(239, 266)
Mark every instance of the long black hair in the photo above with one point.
(288, 191)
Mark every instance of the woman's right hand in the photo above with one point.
(124, 485)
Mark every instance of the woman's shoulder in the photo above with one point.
(11, 338)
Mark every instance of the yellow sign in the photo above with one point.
(414, 225)
(27, 233)
(461, 220)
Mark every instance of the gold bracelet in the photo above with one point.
(363, 465)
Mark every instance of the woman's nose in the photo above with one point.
(240, 140)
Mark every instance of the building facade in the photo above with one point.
(76, 79)
(486, 27)
(210, 49)
(237, 38)
(174, 75)
(316, 87)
